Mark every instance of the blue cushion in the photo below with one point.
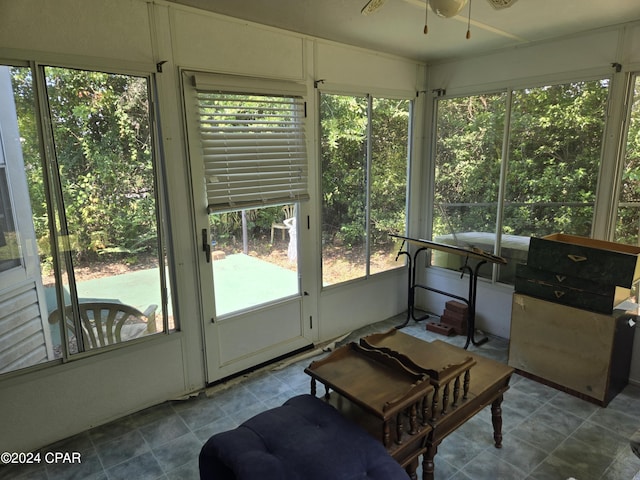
(304, 439)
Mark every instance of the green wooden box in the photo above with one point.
(568, 290)
(602, 262)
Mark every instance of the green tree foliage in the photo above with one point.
(554, 158)
(390, 153)
(226, 228)
(103, 151)
(343, 121)
(554, 153)
(24, 98)
(468, 155)
(344, 125)
(628, 222)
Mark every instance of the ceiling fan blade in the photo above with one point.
(499, 4)
(372, 6)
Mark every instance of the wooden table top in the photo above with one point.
(374, 380)
(435, 359)
(485, 374)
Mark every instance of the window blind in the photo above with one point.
(253, 145)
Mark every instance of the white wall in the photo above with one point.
(577, 56)
(45, 406)
(354, 305)
(204, 41)
(118, 30)
(493, 308)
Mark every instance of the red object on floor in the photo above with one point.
(453, 319)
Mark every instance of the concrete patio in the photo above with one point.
(240, 282)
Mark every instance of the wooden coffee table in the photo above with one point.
(411, 394)
(489, 380)
(381, 394)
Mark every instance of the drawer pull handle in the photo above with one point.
(561, 278)
(558, 293)
(577, 258)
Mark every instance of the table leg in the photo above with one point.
(473, 293)
(411, 469)
(411, 286)
(496, 419)
(428, 467)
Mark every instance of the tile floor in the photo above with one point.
(547, 434)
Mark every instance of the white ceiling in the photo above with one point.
(397, 27)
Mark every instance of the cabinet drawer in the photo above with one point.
(596, 260)
(568, 290)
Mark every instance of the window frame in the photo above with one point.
(60, 243)
(372, 94)
(46, 146)
(510, 90)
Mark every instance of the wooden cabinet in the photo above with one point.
(582, 352)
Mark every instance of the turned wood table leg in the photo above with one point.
(411, 469)
(434, 403)
(496, 419)
(428, 466)
(465, 385)
(456, 392)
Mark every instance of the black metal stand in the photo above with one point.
(470, 301)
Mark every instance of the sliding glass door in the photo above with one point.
(80, 213)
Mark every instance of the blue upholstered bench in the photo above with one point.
(304, 439)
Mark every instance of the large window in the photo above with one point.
(543, 182)
(554, 157)
(365, 150)
(470, 133)
(627, 228)
(90, 219)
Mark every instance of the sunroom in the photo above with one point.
(137, 170)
